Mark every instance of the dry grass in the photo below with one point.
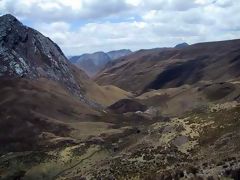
(107, 95)
(104, 95)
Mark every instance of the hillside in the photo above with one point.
(27, 53)
(173, 67)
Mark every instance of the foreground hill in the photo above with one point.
(93, 63)
(173, 67)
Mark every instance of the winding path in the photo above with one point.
(63, 171)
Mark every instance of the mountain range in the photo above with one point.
(174, 67)
(163, 113)
(93, 63)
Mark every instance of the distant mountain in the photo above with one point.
(93, 63)
(119, 53)
(173, 67)
(182, 45)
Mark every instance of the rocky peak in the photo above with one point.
(25, 52)
(9, 19)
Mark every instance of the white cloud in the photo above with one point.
(57, 10)
(80, 26)
(175, 5)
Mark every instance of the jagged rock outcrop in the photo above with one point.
(25, 52)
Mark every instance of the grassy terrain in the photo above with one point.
(201, 143)
(64, 139)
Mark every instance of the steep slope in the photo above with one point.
(173, 67)
(24, 52)
(93, 63)
(104, 95)
(41, 92)
(31, 108)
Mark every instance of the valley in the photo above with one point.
(164, 113)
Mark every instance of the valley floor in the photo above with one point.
(200, 144)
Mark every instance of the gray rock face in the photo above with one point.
(93, 63)
(25, 52)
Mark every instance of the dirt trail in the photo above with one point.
(75, 165)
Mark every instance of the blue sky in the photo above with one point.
(85, 26)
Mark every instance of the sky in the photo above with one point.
(86, 26)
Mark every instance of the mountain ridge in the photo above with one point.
(166, 61)
(92, 63)
(47, 59)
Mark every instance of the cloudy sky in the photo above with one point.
(81, 26)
